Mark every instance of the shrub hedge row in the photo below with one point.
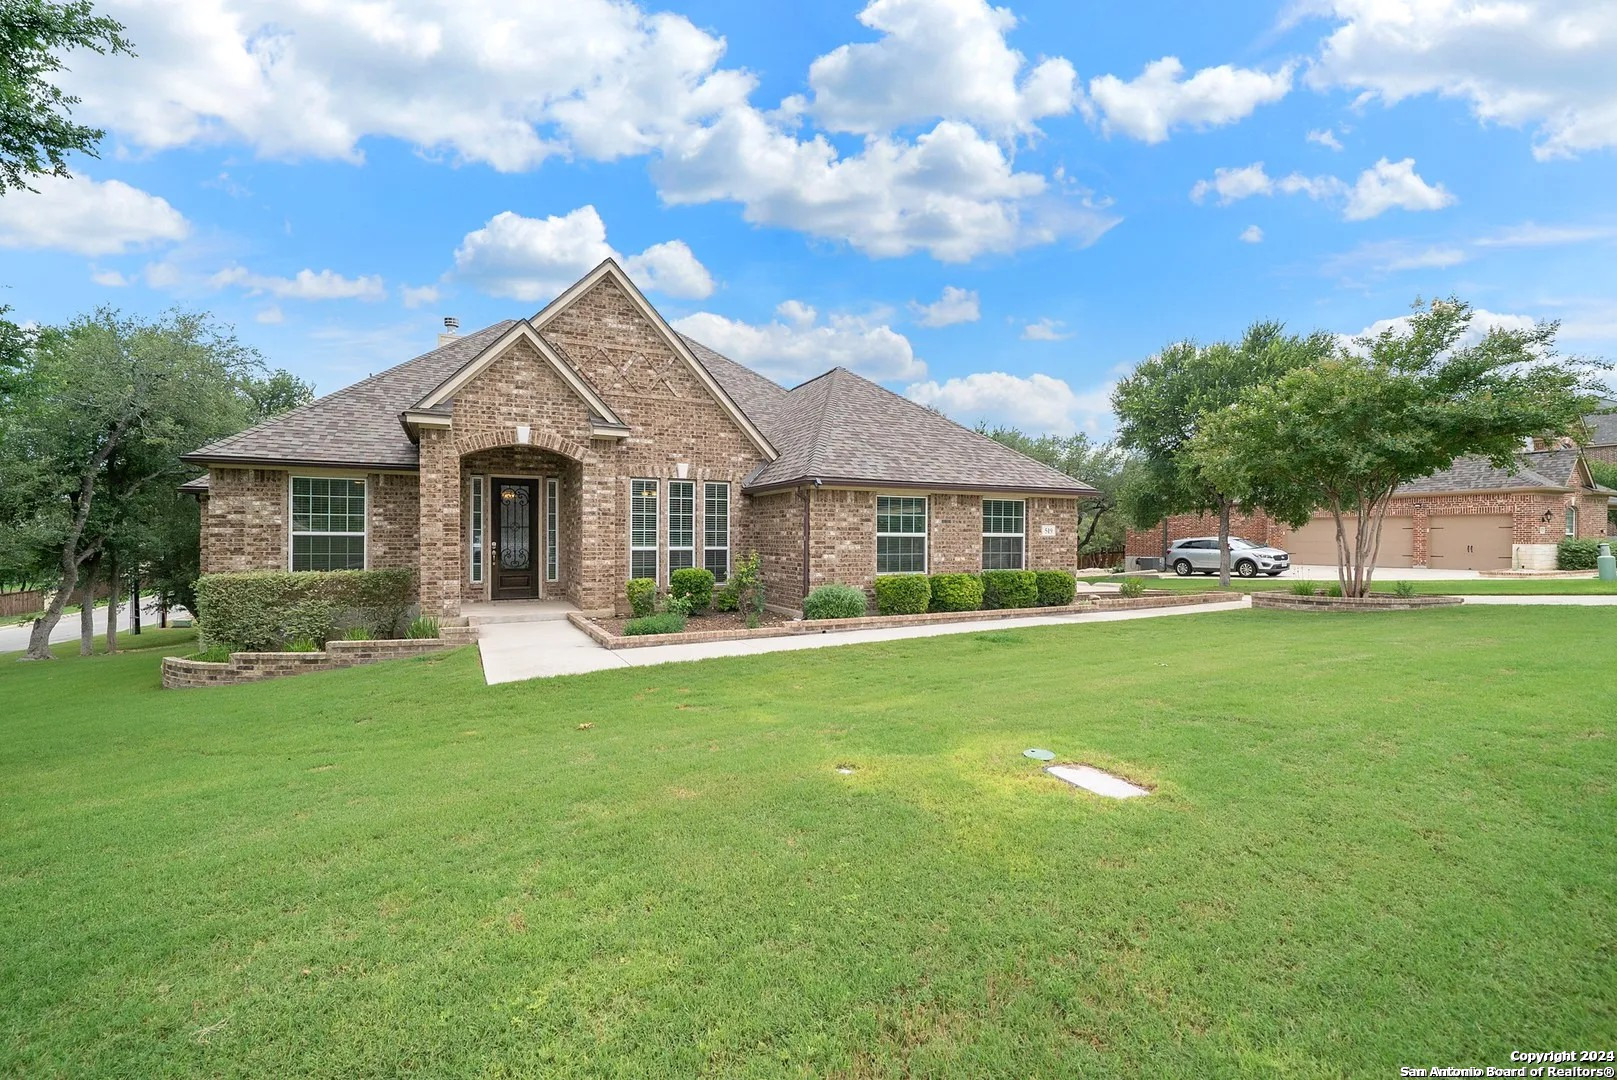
(1010, 589)
(1577, 554)
(956, 592)
(264, 610)
(912, 594)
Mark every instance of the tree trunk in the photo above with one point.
(115, 589)
(1223, 543)
(87, 608)
(134, 606)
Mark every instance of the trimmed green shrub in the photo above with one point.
(726, 599)
(664, 622)
(834, 602)
(262, 610)
(1010, 588)
(694, 582)
(1577, 554)
(1055, 588)
(642, 593)
(1131, 588)
(956, 592)
(902, 594)
(422, 627)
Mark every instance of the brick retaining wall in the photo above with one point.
(245, 667)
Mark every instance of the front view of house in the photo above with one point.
(560, 455)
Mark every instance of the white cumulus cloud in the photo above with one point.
(1045, 329)
(87, 217)
(1386, 185)
(1035, 403)
(1252, 235)
(1233, 184)
(533, 259)
(414, 296)
(937, 59)
(1326, 138)
(798, 346)
(1160, 99)
(956, 305)
(1545, 65)
(304, 285)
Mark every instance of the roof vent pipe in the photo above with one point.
(451, 330)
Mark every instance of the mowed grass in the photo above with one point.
(1374, 840)
(1465, 587)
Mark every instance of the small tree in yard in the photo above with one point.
(1100, 465)
(1344, 433)
(1164, 404)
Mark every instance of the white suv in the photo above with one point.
(1199, 555)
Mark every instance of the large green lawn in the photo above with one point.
(1375, 840)
(1465, 587)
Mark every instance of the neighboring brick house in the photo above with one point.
(1470, 516)
(561, 455)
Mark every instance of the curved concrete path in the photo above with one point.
(537, 650)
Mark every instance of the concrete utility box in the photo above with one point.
(1533, 557)
(1606, 564)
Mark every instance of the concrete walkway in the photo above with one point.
(536, 650)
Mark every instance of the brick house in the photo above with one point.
(1470, 516)
(560, 455)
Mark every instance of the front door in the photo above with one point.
(514, 553)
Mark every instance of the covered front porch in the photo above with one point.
(520, 529)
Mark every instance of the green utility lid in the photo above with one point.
(1038, 755)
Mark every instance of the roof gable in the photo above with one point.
(610, 270)
(525, 332)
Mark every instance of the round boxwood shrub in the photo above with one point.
(956, 592)
(642, 593)
(1056, 588)
(902, 594)
(694, 582)
(834, 602)
(1009, 588)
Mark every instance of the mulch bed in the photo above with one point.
(701, 624)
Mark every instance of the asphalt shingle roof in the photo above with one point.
(843, 428)
(1543, 469)
(359, 424)
(1602, 429)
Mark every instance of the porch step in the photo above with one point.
(515, 611)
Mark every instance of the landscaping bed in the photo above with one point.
(1351, 603)
(718, 626)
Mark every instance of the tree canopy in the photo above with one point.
(37, 132)
(1343, 432)
(1163, 405)
(1100, 465)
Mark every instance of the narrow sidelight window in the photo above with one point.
(681, 525)
(900, 534)
(643, 529)
(1571, 520)
(475, 501)
(552, 556)
(716, 530)
(1004, 534)
(328, 523)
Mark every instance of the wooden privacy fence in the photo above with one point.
(1091, 560)
(21, 603)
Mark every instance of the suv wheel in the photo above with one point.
(1246, 568)
(1182, 567)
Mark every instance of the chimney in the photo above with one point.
(451, 330)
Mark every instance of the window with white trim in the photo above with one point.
(328, 523)
(475, 540)
(1004, 534)
(900, 534)
(716, 529)
(552, 554)
(681, 525)
(1572, 520)
(643, 529)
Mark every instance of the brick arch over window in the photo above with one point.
(538, 440)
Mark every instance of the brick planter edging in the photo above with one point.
(878, 622)
(180, 673)
(1351, 603)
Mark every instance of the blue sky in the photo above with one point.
(994, 210)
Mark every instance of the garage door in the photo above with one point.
(1315, 543)
(1471, 542)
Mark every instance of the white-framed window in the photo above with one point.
(328, 523)
(900, 534)
(716, 529)
(474, 571)
(552, 554)
(1572, 520)
(681, 525)
(643, 529)
(1004, 534)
